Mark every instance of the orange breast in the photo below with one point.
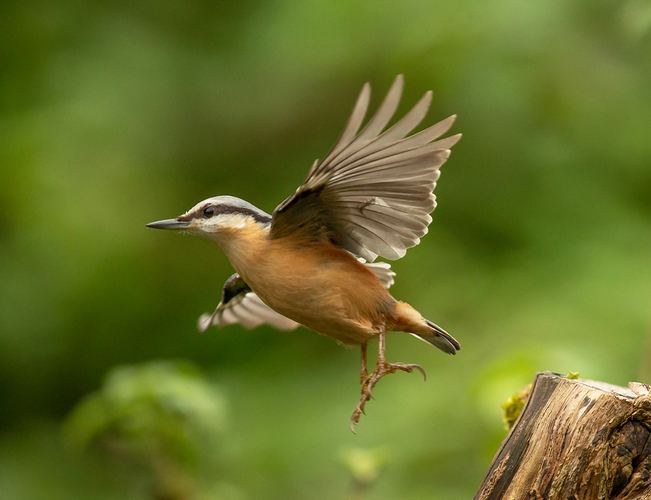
(320, 286)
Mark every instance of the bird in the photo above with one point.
(312, 262)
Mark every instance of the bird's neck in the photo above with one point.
(245, 245)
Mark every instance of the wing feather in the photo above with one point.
(380, 120)
(373, 193)
(354, 122)
(382, 270)
(240, 304)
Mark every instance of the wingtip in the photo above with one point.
(447, 123)
(395, 92)
(366, 89)
(456, 138)
(204, 321)
(426, 100)
(448, 142)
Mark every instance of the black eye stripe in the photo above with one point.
(259, 216)
(209, 211)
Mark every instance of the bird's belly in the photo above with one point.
(319, 286)
(316, 301)
(324, 312)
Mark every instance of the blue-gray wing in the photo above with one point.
(373, 193)
(240, 304)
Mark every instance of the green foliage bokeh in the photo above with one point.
(114, 114)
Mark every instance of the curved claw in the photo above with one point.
(393, 367)
(420, 370)
(354, 419)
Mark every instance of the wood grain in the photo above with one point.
(575, 439)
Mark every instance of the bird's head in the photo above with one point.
(218, 216)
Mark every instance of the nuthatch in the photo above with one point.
(311, 262)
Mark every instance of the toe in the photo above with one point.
(354, 419)
(417, 367)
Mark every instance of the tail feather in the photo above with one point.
(407, 319)
(439, 338)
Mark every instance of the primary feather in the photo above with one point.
(373, 193)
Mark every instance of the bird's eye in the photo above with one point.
(209, 211)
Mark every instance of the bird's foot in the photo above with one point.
(394, 367)
(382, 369)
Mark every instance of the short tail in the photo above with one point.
(439, 338)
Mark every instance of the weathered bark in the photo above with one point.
(578, 440)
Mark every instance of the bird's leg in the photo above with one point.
(364, 371)
(382, 368)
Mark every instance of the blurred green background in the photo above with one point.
(114, 114)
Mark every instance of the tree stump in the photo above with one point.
(578, 440)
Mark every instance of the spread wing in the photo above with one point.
(240, 304)
(372, 194)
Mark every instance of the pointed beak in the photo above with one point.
(169, 224)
